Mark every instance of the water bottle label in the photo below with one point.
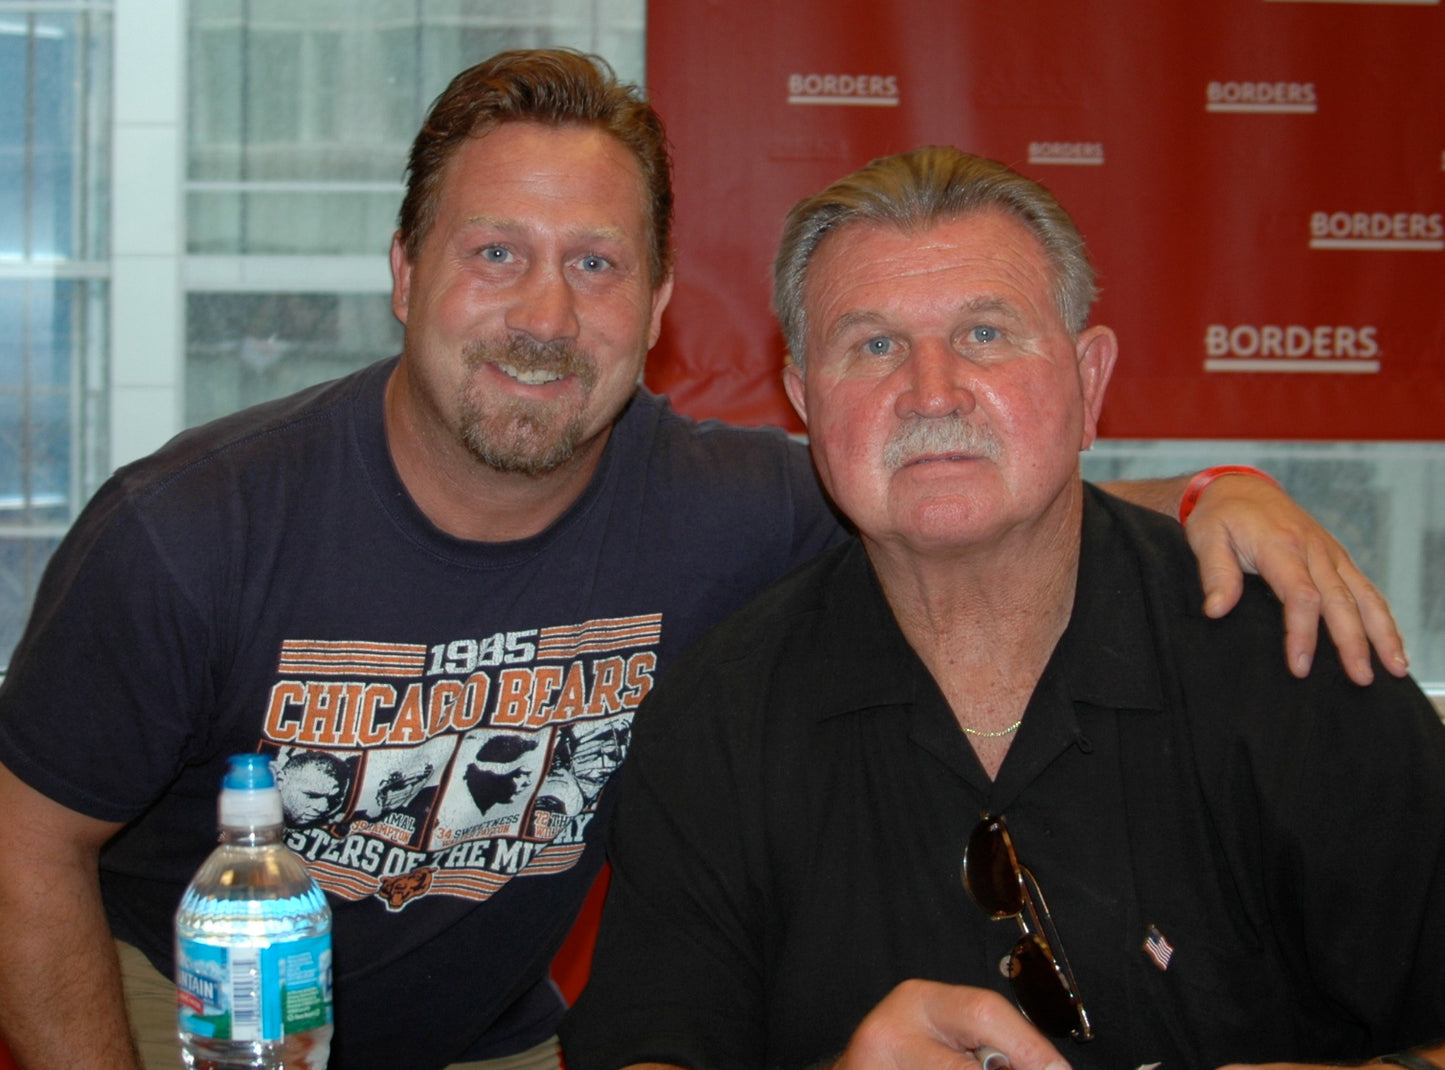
(304, 969)
(231, 992)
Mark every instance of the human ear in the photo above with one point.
(400, 278)
(1096, 350)
(661, 295)
(796, 387)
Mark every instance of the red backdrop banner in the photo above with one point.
(1261, 184)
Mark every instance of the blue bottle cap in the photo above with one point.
(249, 797)
(249, 772)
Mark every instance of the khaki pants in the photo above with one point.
(150, 999)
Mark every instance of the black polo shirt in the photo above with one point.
(793, 813)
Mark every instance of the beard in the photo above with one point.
(519, 436)
(939, 435)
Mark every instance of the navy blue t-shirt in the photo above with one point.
(443, 714)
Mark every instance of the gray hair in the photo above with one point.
(915, 190)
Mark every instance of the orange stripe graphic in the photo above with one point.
(326, 657)
(613, 633)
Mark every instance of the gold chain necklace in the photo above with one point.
(993, 735)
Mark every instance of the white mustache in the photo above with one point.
(939, 435)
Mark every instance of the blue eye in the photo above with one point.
(594, 263)
(984, 334)
(496, 254)
(878, 347)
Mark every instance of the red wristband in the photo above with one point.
(1196, 485)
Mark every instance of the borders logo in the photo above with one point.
(844, 90)
(1270, 347)
(1275, 98)
(1417, 231)
(1083, 153)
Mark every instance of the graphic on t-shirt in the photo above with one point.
(489, 792)
(399, 789)
(409, 770)
(586, 755)
(314, 785)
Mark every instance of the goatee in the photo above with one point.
(525, 437)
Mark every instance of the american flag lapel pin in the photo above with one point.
(1158, 948)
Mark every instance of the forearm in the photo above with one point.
(1435, 1054)
(60, 993)
(1160, 495)
(61, 1002)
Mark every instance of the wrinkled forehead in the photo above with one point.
(866, 260)
(976, 231)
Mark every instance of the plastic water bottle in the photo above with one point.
(253, 942)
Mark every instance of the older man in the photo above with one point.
(1000, 709)
(456, 573)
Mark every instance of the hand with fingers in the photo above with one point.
(1242, 521)
(922, 1025)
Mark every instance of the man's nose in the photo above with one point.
(934, 381)
(544, 306)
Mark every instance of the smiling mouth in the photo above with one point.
(534, 365)
(530, 376)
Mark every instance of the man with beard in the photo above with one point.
(496, 529)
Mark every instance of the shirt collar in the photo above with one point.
(1106, 653)
(1104, 658)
